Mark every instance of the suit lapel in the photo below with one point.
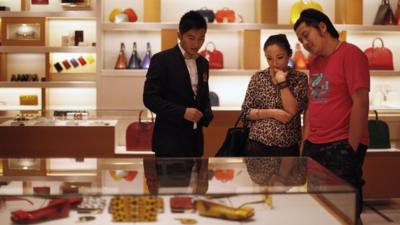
(183, 70)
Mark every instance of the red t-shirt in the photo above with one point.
(333, 80)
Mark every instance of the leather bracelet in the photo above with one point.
(283, 84)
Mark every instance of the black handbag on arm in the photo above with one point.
(235, 141)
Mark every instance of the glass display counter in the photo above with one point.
(173, 191)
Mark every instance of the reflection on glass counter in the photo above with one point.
(284, 190)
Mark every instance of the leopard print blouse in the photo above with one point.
(263, 94)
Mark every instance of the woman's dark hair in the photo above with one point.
(281, 41)
(192, 20)
(312, 17)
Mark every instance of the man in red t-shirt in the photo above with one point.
(336, 122)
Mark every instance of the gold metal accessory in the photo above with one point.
(211, 209)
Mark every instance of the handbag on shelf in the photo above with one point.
(121, 61)
(397, 13)
(301, 5)
(134, 60)
(379, 58)
(300, 61)
(147, 57)
(215, 58)
(384, 15)
(225, 14)
(214, 99)
(235, 141)
(208, 14)
(378, 133)
(139, 135)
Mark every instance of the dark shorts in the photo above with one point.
(342, 160)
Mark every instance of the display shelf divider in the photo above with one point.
(152, 11)
(251, 47)
(169, 38)
(123, 73)
(49, 84)
(42, 49)
(82, 15)
(349, 12)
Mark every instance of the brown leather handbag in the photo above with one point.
(384, 15)
(397, 13)
(139, 135)
(379, 58)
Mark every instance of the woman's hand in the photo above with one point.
(280, 76)
(281, 115)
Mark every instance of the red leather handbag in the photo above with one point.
(215, 58)
(139, 135)
(225, 14)
(379, 58)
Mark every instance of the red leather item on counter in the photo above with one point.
(180, 204)
(139, 135)
(225, 14)
(41, 190)
(58, 208)
(215, 58)
(224, 175)
(379, 58)
(131, 175)
(55, 209)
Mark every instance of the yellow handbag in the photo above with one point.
(301, 5)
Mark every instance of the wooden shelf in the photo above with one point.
(241, 26)
(81, 14)
(41, 49)
(123, 73)
(49, 84)
(385, 73)
(142, 72)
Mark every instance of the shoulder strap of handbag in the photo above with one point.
(238, 120)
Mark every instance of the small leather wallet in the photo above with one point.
(82, 61)
(181, 204)
(66, 64)
(90, 59)
(58, 67)
(74, 62)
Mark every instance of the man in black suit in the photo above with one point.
(176, 90)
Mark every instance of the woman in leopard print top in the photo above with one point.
(274, 101)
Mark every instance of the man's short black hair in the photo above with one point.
(192, 20)
(312, 17)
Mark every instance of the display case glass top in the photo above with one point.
(236, 189)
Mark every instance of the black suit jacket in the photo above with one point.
(167, 93)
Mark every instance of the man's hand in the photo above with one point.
(193, 114)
